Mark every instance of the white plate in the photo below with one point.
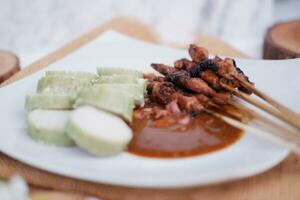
(247, 157)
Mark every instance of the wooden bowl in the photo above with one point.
(282, 41)
(9, 65)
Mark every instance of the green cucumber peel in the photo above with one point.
(49, 101)
(108, 71)
(105, 98)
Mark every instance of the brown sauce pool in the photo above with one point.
(204, 133)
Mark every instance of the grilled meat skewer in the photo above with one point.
(183, 79)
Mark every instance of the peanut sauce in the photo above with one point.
(170, 138)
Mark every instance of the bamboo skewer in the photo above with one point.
(270, 100)
(259, 133)
(291, 135)
(287, 118)
(249, 113)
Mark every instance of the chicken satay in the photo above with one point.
(241, 73)
(227, 69)
(165, 94)
(199, 86)
(197, 53)
(202, 99)
(162, 92)
(153, 77)
(163, 69)
(190, 104)
(196, 69)
(184, 64)
(182, 79)
(222, 98)
(178, 77)
(211, 78)
(234, 84)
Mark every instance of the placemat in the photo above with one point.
(282, 182)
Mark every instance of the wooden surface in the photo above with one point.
(9, 65)
(282, 182)
(282, 41)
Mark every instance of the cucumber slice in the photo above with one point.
(108, 71)
(133, 90)
(107, 99)
(60, 84)
(49, 101)
(48, 126)
(74, 74)
(98, 132)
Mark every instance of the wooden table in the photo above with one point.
(281, 182)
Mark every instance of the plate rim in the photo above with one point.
(253, 171)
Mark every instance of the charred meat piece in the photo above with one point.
(190, 104)
(245, 90)
(227, 69)
(163, 69)
(182, 79)
(209, 64)
(152, 77)
(222, 98)
(150, 85)
(197, 69)
(184, 64)
(191, 85)
(199, 86)
(234, 84)
(202, 99)
(178, 77)
(229, 83)
(241, 73)
(162, 92)
(211, 78)
(198, 54)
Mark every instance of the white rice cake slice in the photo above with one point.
(48, 126)
(98, 132)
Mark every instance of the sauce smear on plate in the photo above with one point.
(170, 138)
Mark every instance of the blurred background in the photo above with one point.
(32, 28)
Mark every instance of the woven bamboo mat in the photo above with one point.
(282, 182)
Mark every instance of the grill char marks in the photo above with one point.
(195, 84)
